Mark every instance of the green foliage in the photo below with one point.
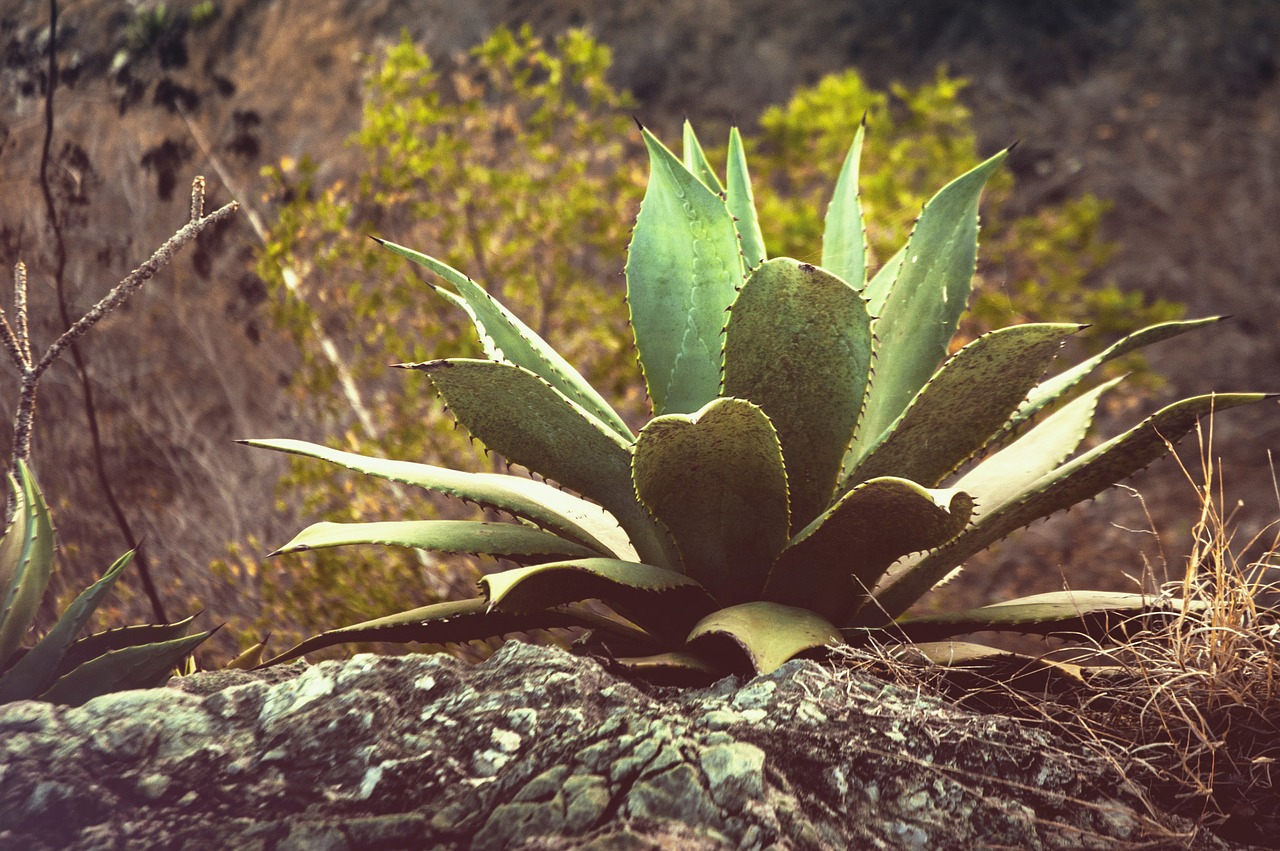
(61, 668)
(817, 461)
(514, 164)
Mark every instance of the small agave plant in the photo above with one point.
(816, 462)
(61, 668)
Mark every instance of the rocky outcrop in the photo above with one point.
(538, 749)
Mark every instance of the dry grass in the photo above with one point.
(1186, 709)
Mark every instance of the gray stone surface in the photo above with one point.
(537, 749)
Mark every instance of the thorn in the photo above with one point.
(1016, 143)
(378, 240)
(864, 119)
(636, 119)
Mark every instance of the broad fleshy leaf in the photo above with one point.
(923, 307)
(1075, 481)
(518, 415)
(1096, 614)
(832, 565)
(964, 405)
(881, 282)
(769, 634)
(142, 666)
(1059, 385)
(662, 601)
(505, 338)
(38, 668)
(1007, 473)
(716, 481)
(33, 565)
(505, 540)
(439, 623)
(137, 635)
(844, 240)
(742, 203)
(674, 668)
(695, 159)
(684, 268)
(798, 344)
(551, 508)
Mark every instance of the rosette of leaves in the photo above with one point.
(817, 460)
(60, 667)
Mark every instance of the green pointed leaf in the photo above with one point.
(1094, 614)
(548, 507)
(1075, 481)
(878, 287)
(832, 565)
(439, 623)
(1007, 473)
(770, 634)
(38, 668)
(518, 415)
(505, 338)
(695, 160)
(662, 601)
(136, 635)
(684, 267)
(33, 567)
(505, 540)
(798, 344)
(677, 668)
(1055, 388)
(742, 203)
(716, 481)
(844, 248)
(15, 537)
(964, 405)
(922, 309)
(144, 666)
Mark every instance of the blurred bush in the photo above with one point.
(518, 163)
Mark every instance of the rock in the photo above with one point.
(538, 749)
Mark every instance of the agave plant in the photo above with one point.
(816, 461)
(61, 668)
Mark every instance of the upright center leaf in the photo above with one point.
(716, 481)
(683, 270)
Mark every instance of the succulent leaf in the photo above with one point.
(683, 270)
(769, 634)
(101, 643)
(922, 309)
(798, 344)
(844, 240)
(139, 666)
(881, 282)
(695, 159)
(550, 435)
(716, 480)
(1007, 473)
(505, 338)
(568, 516)
(1075, 481)
(964, 405)
(1081, 613)
(38, 667)
(662, 601)
(32, 530)
(438, 623)
(506, 540)
(832, 565)
(674, 667)
(1059, 385)
(742, 203)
